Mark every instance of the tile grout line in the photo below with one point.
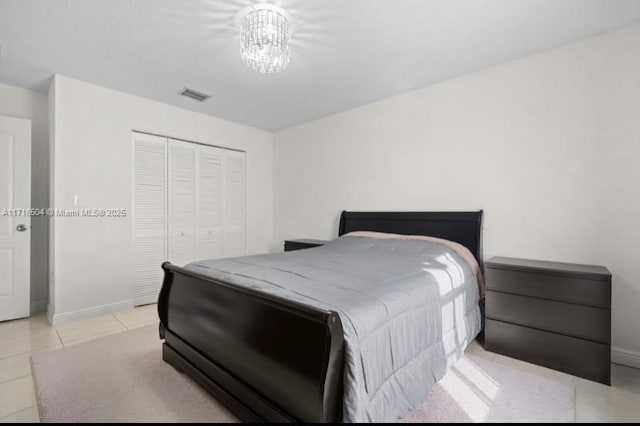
(26, 408)
(31, 352)
(20, 411)
(59, 337)
(123, 324)
(93, 337)
(15, 378)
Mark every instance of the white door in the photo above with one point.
(150, 224)
(209, 202)
(15, 224)
(182, 201)
(234, 203)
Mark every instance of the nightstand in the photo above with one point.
(557, 315)
(290, 245)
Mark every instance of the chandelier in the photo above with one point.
(265, 38)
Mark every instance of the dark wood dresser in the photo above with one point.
(557, 315)
(290, 245)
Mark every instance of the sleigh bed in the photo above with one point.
(274, 353)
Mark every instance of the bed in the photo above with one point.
(275, 352)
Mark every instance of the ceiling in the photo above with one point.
(345, 53)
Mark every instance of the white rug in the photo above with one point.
(122, 378)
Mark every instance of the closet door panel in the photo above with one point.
(150, 237)
(182, 190)
(189, 204)
(234, 202)
(209, 232)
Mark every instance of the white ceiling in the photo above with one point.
(345, 53)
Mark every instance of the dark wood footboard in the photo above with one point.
(264, 357)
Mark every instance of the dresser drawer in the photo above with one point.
(579, 290)
(574, 320)
(571, 355)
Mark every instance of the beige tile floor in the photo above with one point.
(21, 338)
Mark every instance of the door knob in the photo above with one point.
(21, 227)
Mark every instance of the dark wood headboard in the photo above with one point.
(462, 227)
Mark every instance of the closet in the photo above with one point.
(189, 204)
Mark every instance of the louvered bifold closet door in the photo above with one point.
(182, 201)
(209, 202)
(149, 216)
(234, 203)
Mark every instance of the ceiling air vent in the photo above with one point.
(194, 94)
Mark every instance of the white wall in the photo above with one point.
(51, 105)
(93, 159)
(21, 103)
(548, 146)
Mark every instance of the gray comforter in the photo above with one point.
(408, 309)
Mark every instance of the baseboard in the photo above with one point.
(59, 319)
(38, 306)
(625, 357)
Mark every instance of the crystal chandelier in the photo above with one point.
(265, 38)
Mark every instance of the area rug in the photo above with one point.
(122, 378)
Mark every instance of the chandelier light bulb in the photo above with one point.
(265, 38)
